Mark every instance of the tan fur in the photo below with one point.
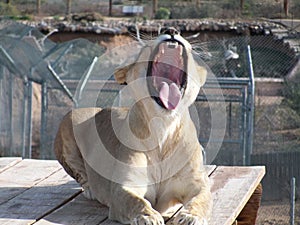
(169, 166)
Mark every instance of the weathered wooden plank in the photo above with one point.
(25, 174)
(250, 211)
(7, 162)
(32, 189)
(232, 187)
(83, 211)
(210, 169)
(42, 198)
(7, 221)
(110, 222)
(78, 211)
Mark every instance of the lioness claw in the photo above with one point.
(189, 219)
(154, 219)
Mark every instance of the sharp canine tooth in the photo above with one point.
(180, 50)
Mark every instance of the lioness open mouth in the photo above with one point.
(167, 77)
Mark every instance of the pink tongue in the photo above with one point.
(169, 95)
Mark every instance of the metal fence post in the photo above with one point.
(11, 127)
(24, 124)
(293, 198)
(30, 93)
(62, 85)
(27, 120)
(251, 106)
(243, 127)
(44, 120)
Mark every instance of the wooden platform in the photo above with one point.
(40, 192)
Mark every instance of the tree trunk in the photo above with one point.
(110, 8)
(69, 6)
(198, 3)
(241, 6)
(7, 1)
(154, 7)
(38, 7)
(286, 7)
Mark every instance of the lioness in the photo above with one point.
(142, 160)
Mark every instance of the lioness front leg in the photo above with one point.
(197, 210)
(129, 206)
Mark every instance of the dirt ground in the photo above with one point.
(277, 213)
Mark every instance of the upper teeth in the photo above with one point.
(167, 53)
(172, 44)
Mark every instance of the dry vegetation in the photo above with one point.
(277, 213)
(178, 9)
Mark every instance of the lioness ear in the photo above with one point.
(120, 74)
(202, 72)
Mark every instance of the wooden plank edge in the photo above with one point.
(249, 213)
(15, 160)
(8, 221)
(210, 169)
(66, 201)
(57, 168)
(243, 201)
(23, 163)
(256, 187)
(92, 214)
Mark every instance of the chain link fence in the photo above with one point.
(33, 96)
(272, 57)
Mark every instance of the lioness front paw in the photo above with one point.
(155, 219)
(184, 218)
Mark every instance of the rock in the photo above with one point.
(93, 22)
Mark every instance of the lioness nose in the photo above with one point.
(171, 31)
